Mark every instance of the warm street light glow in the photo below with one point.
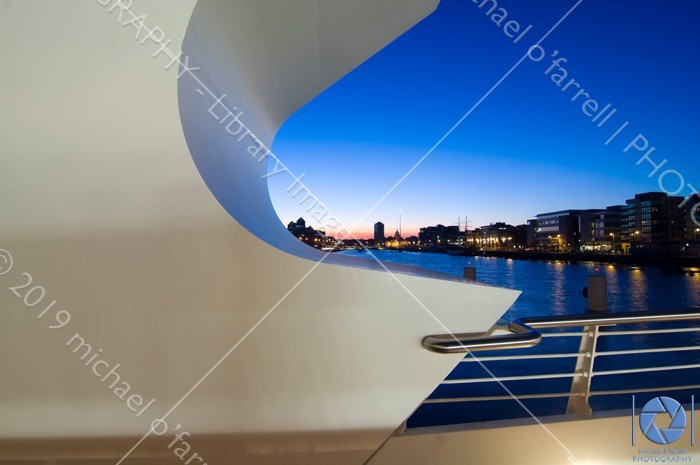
(613, 242)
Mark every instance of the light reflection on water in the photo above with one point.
(556, 288)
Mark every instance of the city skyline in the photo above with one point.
(650, 224)
(527, 148)
(684, 207)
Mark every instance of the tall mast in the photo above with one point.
(466, 230)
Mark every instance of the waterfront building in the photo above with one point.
(558, 231)
(379, 237)
(692, 221)
(519, 236)
(308, 235)
(652, 218)
(498, 236)
(531, 233)
(651, 222)
(396, 240)
(440, 235)
(298, 225)
(600, 229)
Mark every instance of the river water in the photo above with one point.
(555, 288)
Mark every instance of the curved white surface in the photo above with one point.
(265, 60)
(102, 205)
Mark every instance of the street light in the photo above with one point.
(613, 242)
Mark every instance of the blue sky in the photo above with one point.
(527, 149)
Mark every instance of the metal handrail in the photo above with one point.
(646, 332)
(646, 369)
(451, 400)
(524, 332)
(553, 395)
(607, 353)
(573, 374)
(502, 358)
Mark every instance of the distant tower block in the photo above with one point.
(378, 233)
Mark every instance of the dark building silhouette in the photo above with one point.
(296, 226)
(307, 234)
(379, 237)
(440, 235)
(499, 235)
(692, 221)
(531, 233)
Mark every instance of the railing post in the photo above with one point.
(581, 386)
(470, 273)
(597, 294)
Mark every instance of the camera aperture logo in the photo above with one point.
(662, 407)
(663, 421)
